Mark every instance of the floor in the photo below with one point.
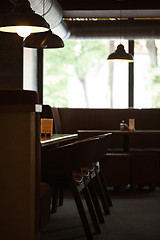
(134, 216)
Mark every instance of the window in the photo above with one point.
(147, 74)
(29, 69)
(80, 76)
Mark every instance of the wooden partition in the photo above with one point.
(19, 172)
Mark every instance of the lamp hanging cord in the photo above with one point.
(121, 25)
(44, 13)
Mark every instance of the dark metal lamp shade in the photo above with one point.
(43, 40)
(23, 16)
(120, 55)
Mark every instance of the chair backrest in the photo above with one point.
(101, 146)
(58, 162)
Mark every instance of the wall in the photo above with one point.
(11, 61)
(12, 64)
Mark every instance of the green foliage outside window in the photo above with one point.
(75, 60)
(82, 59)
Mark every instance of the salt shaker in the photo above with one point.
(122, 126)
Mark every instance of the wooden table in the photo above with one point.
(57, 138)
(125, 134)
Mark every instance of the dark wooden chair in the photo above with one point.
(102, 146)
(61, 167)
(97, 179)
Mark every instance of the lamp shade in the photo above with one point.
(120, 55)
(43, 40)
(23, 16)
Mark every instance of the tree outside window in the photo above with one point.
(79, 75)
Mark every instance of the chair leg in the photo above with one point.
(96, 202)
(104, 185)
(61, 196)
(91, 209)
(55, 197)
(80, 208)
(101, 194)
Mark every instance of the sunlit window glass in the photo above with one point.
(79, 75)
(147, 74)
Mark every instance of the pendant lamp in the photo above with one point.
(23, 20)
(43, 40)
(120, 55)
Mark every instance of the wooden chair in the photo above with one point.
(102, 146)
(61, 167)
(96, 174)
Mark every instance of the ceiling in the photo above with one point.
(110, 8)
(108, 4)
(133, 26)
(64, 10)
(6, 6)
(100, 8)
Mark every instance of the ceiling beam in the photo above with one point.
(125, 29)
(108, 5)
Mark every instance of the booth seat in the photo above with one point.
(69, 120)
(141, 147)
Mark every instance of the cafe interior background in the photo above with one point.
(79, 74)
(89, 36)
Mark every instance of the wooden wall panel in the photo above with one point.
(17, 175)
(11, 61)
